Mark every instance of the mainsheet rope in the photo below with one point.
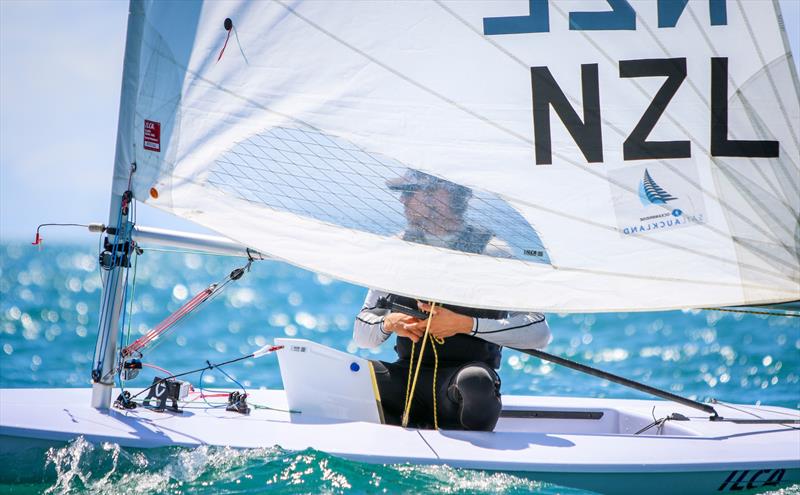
(411, 384)
(434, 341)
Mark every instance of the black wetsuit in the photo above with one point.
(467, 386)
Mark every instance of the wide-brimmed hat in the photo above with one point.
(414, 180)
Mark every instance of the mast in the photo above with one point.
(112, 299)
(113, 294)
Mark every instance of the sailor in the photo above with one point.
(467, 387)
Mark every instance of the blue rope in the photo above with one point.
(232, 379)
(202, 393)
(110, 295)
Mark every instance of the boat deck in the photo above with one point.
(547, 437)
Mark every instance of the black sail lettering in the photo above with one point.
(636, 146)
(720, 144)
(587, 133)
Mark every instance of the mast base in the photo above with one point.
(101, 396)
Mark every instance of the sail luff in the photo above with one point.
(125, 151)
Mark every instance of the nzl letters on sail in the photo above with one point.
(587, 131)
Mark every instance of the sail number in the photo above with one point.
(751, 479)
(622, 16)
(587, 131)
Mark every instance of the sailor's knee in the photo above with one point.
(476, 389)
(475, 381)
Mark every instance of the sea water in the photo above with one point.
(49, 302)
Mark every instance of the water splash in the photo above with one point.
(82, 467)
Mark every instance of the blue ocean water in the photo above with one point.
(49, 301)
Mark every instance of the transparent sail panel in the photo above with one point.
(308, 173)
(762, 203)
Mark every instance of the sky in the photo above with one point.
(60, 73)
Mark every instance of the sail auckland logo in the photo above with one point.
(651, 193)
(666, 216)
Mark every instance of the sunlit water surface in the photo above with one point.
(49, 302)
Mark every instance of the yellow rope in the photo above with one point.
(434, 341)
(408, 380)
(410, 396)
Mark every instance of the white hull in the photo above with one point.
(695, 456)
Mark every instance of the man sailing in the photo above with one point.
(464, 346)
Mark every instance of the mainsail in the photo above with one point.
(305, 130)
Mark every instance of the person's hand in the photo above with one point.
(403, 325)
(445, 323)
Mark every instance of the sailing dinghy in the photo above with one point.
(603, 445)
(626, 156)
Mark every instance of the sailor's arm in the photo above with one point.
(374, 325)
(518, 329)
(368, 331)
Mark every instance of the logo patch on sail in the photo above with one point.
(652, 193)
(644, 206)
(152, 135)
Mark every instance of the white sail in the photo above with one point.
(619, 155)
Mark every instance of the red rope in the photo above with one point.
(159, 368)
(159, 329)
(223, 46)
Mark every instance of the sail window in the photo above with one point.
(318, 176)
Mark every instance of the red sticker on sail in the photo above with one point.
(152, 135)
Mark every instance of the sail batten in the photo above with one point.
(561, 166)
